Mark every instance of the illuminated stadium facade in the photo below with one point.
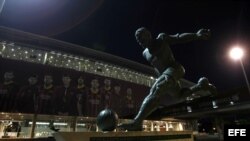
(25, 54)
(58, 54)
(18, 45)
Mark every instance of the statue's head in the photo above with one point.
(143, 37)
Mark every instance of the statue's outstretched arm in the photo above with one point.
(202, 34)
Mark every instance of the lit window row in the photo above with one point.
(64, 60)
(21, 53)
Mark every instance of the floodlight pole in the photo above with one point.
(245, 75)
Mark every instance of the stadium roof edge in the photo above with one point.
(22, 37)
(15, 35)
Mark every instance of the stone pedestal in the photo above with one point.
(125, 136)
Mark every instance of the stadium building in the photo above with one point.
(25, 55)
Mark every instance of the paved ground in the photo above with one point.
(206, 138)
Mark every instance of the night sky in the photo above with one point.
(109, 26)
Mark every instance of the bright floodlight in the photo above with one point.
(236, 53)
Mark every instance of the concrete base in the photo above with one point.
(125, 136)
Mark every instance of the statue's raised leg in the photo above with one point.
(202, 85)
